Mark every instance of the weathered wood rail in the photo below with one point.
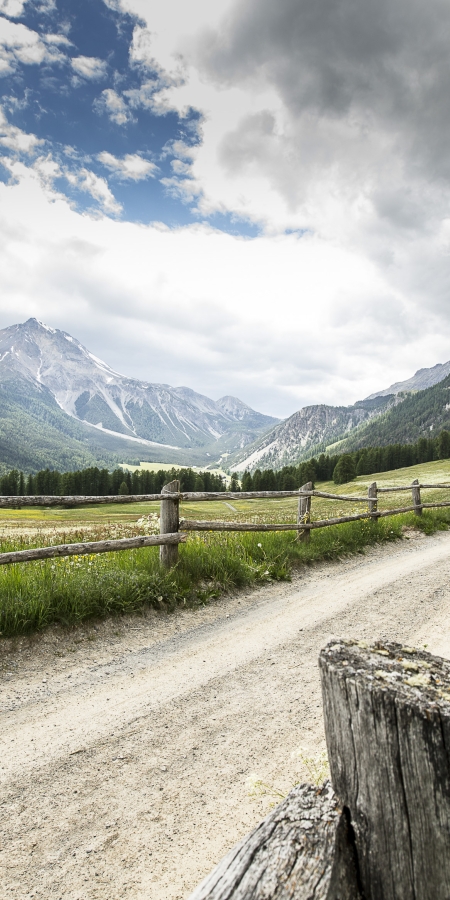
(381, 830)
(91, 547)
(173, 530)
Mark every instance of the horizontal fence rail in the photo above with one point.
(194, 496)
(173, 531)
(192, 525)
(154, 540)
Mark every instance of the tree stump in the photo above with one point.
(387, 723)
(302, 850)
(169, 524)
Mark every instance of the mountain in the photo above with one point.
(54, 392)
(306, 433)
(424, 378)
(402, 413)
(419, 414)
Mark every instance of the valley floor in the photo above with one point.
(125, 747)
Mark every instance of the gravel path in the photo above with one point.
(125, 748)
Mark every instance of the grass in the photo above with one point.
(71, 590)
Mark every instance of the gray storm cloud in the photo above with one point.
(354, 76)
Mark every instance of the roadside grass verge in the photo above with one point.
(74, 589)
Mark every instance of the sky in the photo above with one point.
(247, 198)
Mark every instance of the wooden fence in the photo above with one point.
(173, 531)
(380, 830)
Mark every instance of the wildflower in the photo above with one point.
(259, 545)
(254, 784)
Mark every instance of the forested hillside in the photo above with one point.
(418, 415)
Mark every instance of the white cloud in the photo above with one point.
(19, 44)
(111, 103)
(281, 321)
(12, 8)
(97, 187)
(131, 168)
(141, 47)
(15, 139)
(89, 67)
(58, 39)
(321, 127)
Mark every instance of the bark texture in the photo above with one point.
(301, 851)
(169, 519)
(387, 722)
(304, 513)
(155, 540)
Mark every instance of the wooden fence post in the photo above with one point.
(387, 725)
(304, 514)
(372, 499)
(169, 524)
(415, 489)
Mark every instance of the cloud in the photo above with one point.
(89, 67)
(19, 44)
(97, 187)
(362, 93)
(329, 120)
(15, 139)
(111, 103)
(131, 168)
(281, 321)
(141, 48)
(12, 8)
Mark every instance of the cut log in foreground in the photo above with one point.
(385, 833)
(301, 850)
(387, 724)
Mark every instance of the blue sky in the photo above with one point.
(79, 102)
(245, 192)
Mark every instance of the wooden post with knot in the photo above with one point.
(304, 514)
(169, 524)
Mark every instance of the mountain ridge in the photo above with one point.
(375, 421)
(113, 410)
(422, 379)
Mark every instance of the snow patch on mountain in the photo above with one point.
(88, 389)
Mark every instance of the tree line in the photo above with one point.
(339, 468)
(101, 482)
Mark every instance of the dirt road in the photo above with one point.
(125, 748)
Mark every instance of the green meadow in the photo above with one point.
(73, 589)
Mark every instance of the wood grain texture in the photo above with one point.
(301, 851)
(169, 519)
(154, 540)
(304, 513)
(387, 723)
(74, 501)
(372, 499)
